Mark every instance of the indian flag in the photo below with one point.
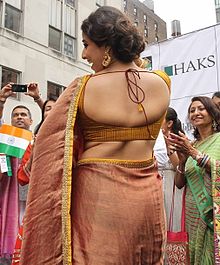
(13, 140)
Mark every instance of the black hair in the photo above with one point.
(212, 110)
(216, 94)
(108, 26)
(172, 116)
(21, 107)
(37, 128)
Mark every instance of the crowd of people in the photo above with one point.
(13, 196)
(105, 160)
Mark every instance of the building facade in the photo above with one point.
(40, 41)
(149, 24)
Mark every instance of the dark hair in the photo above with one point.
(37, 128)
(108, 26)
(216, 94)
(172, 116)
(212, 110)
(22, 107)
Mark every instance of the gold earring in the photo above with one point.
(106, 58)
(139, 62)
(214, 125)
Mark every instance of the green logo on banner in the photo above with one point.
(168, 70)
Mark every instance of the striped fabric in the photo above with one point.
(13, 140)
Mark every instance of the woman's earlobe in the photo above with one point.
(170, 124)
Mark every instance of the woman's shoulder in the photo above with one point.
(164, 76)
(77, 82)
(156, 78)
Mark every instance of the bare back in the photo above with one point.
(107, 101)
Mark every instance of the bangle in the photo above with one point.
(201, 159)
(202, 163)
(178, 170)
(37, 99)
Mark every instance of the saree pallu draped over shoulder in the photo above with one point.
(93, 211)
(202, 205)
(47, 221)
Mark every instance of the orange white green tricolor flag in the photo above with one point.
(13, 140)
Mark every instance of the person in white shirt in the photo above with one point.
(167, 162)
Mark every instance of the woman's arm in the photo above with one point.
(24, 169)
(173, 158)
(179, 178)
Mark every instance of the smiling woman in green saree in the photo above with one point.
(199, 170)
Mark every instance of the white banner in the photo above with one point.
(192, 61)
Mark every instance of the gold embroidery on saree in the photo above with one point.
(67, 173)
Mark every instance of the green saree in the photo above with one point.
(200, 196)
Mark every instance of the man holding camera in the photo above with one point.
(7, 91)
(11, 201)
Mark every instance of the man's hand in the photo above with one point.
(6, 92)
(33, 91)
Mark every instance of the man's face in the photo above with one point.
(216, 101)
(20, 118)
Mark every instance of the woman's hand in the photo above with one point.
(171, 153)
(181, 144)
(166, 139)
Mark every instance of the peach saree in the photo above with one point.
(91, 211)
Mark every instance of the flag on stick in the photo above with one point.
(13, 140)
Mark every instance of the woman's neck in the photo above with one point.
(117, 66)
(205, 132)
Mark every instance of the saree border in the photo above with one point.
(120, 162)
(67, 172)
(215, 165)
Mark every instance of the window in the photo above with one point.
(135, 11)
(1, 5)
(217, 3)
(69, 21)
(69, 45)
(9, 75)
(156, 26)
(100, 3)
(145, 19)
(62, 26)
(55, 38)
(15, 3)
(156, 38)
(55, 15)
(136, 23)
(145, 32)
(125, 4)
(12, 18)
(54, 90)
(70, 3)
